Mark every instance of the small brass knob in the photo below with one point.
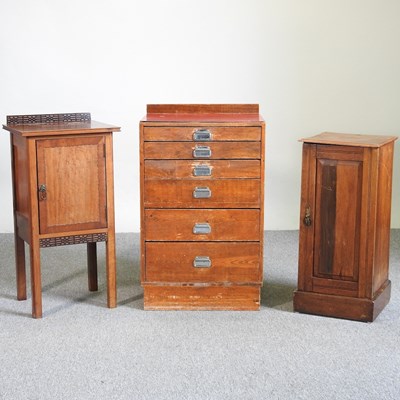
(307, 217)
(42, 192)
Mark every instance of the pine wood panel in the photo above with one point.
(226, 225)
(178, 169)
(173, 262)
(225, 193)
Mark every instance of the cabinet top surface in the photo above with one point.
(60, 124)
(347, 139)
(243, 113)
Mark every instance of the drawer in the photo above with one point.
(202, 150)
(189, 193)
(190, 133)
(229, 262)
(202, 225)
(201, 297)
(177, 169)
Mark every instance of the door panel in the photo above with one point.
(338, 218)
(338, 189)
(73, 171)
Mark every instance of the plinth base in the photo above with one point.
(201, 298)
(359, 309)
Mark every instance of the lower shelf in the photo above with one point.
(239, 298)
(354, 308)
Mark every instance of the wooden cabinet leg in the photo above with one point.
(36, 281)
(20, 267)
(111, 271)
(92, 266)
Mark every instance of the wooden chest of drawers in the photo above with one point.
(202, 201)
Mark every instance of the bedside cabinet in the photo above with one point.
(202, 207)
(345, 226)
(62, 170)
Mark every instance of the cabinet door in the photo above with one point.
(72, 184)
(332, 223)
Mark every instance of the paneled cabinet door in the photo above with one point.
(71, 184)
(332, 208)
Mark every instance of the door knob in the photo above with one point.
(42, 192)
(307, 217)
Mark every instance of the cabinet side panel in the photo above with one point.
(368, 222)
(307, 203)
(381, 261)
(262, 202)
(21, 181)
(142, 211)
(366, 234)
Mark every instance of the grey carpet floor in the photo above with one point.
(82, 350)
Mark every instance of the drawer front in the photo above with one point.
(176, 169)
(202, 225)
(189, 193)
(203, 262)
(190, 133)
(202, 150)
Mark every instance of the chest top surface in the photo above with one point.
(347, 139)
(50, 124)
(203, 113)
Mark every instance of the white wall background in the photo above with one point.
(312, 65)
